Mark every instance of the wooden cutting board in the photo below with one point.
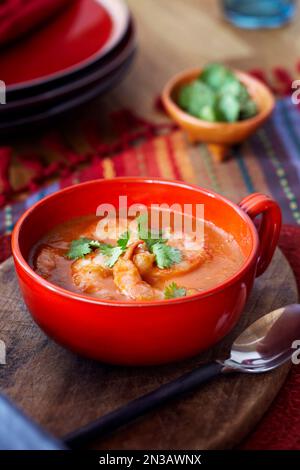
(62, 391)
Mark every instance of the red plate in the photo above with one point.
(81, 34)
(88, 76)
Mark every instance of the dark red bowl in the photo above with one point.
(149, 332)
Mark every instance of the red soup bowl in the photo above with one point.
(142, 333)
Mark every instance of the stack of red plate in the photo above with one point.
(80, 53)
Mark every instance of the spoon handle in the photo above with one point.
(132, 410)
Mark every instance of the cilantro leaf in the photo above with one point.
(84, 246)
(142, 223)
(173, 291)
(148, 236)
(123, 240)
(150, 242)
(95, 244)
(111, 253)
(81, 247)
(165, 255)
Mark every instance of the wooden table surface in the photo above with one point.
(176, 34)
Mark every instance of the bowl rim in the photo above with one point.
(245, 77)
(24, 265)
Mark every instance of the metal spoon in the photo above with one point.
(263, 346)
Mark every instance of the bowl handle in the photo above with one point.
(269, 228)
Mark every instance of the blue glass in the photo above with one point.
(255, 14)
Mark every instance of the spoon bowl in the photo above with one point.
(267, 343)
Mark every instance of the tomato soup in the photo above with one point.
(132, 267)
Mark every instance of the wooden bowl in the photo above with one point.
(219, 136)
